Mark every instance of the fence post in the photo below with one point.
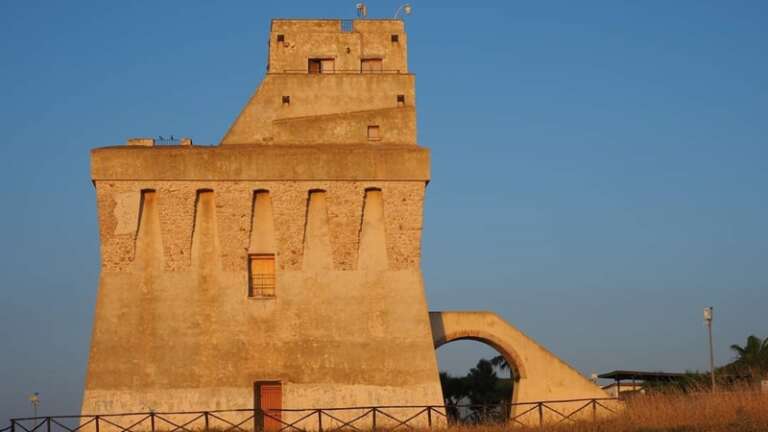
(429, 417)
(374, 419)
(13, 425)
(594, 410)
(205, 416)
(258, 416)
(152, 420)
(320, 420)
(48, 424)
(541, 414)
(97, 423)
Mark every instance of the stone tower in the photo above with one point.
(287, 255)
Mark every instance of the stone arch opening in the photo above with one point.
(516, 367)
(541, 376)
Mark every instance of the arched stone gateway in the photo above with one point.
(541, 375)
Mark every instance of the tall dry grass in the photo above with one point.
(732, 411)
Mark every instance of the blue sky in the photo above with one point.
(600, 169)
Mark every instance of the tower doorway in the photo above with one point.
(268, 400)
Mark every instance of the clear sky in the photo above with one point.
(600, 169)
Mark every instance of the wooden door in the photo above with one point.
(269, 397)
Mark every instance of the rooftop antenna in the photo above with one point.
(406, 9)
(362, 10)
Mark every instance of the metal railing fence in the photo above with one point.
(371, 418)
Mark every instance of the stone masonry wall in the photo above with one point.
(119, 202)
(175, 329)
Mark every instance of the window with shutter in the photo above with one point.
(261, 269)
(371, 65)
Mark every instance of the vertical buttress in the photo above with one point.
(317, 242)
(373, 239)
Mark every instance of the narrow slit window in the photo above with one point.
(400, 100)
(281, 38)
(261, 271)
(286, 100)
(395, 38)
(374, 133)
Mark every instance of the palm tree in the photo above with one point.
(500, 362)
(753, 356)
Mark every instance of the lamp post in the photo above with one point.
(708, 313)
(406, 9)
(35, 400)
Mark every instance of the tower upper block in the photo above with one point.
(332, 82)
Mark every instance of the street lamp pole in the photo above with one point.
(708, 314)
(35, 399)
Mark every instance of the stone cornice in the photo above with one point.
(262, 162)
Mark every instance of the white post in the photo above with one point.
(708, 315)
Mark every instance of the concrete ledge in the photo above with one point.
(262, 162)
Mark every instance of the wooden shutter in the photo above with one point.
(262, 275)
(374, 133)
(315, 66)
(372, 65)
(327, 65)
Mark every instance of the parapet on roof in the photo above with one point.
(346, 42)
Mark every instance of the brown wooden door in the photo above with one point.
(269, 397)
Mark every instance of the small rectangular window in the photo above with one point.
(371, 65)
(395, 38)
(321, 65)
(400, 100)
(315, 66)
(261, 274)
(281, 38)
(286, 100)
(374, 133)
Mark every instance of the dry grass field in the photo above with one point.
(733, 411)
